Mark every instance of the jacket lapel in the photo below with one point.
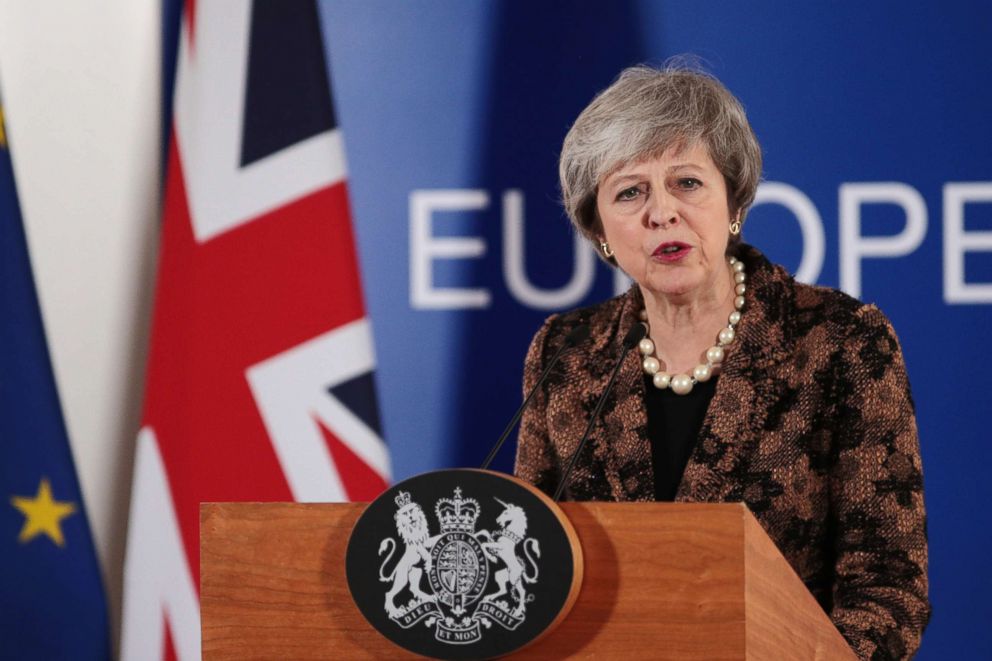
(621, 440)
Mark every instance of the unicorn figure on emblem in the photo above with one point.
(513, 529)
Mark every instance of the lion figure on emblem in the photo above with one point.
(513, 528)
(411, 525)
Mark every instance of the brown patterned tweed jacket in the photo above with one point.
(811, 425)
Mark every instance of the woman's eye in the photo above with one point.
(689, 183)
(628, 194)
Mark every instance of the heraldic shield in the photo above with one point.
(495, 566)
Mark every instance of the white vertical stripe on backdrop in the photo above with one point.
(82, 94)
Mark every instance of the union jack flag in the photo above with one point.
(259, 383)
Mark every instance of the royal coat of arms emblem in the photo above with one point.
(463, 564)
(457, 564)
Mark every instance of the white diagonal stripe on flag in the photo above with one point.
(292, 387)
(209, 120)
(157, 579)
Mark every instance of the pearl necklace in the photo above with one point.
(681, 384)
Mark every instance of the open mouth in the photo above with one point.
(671, 250)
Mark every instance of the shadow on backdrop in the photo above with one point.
(548, 61)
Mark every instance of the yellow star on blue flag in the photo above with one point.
(42, 514)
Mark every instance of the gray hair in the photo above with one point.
(643, 113)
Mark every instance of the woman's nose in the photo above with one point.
(660, 211)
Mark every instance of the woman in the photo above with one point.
(750, 386)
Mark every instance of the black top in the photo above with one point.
(674, 422)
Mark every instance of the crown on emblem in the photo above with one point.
(458, 515)
(402, 499)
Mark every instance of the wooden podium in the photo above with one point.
(661, 581)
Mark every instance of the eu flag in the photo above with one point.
(52, 604)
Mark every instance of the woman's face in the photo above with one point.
(668, 222)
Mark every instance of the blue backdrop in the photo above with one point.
(884, 105)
